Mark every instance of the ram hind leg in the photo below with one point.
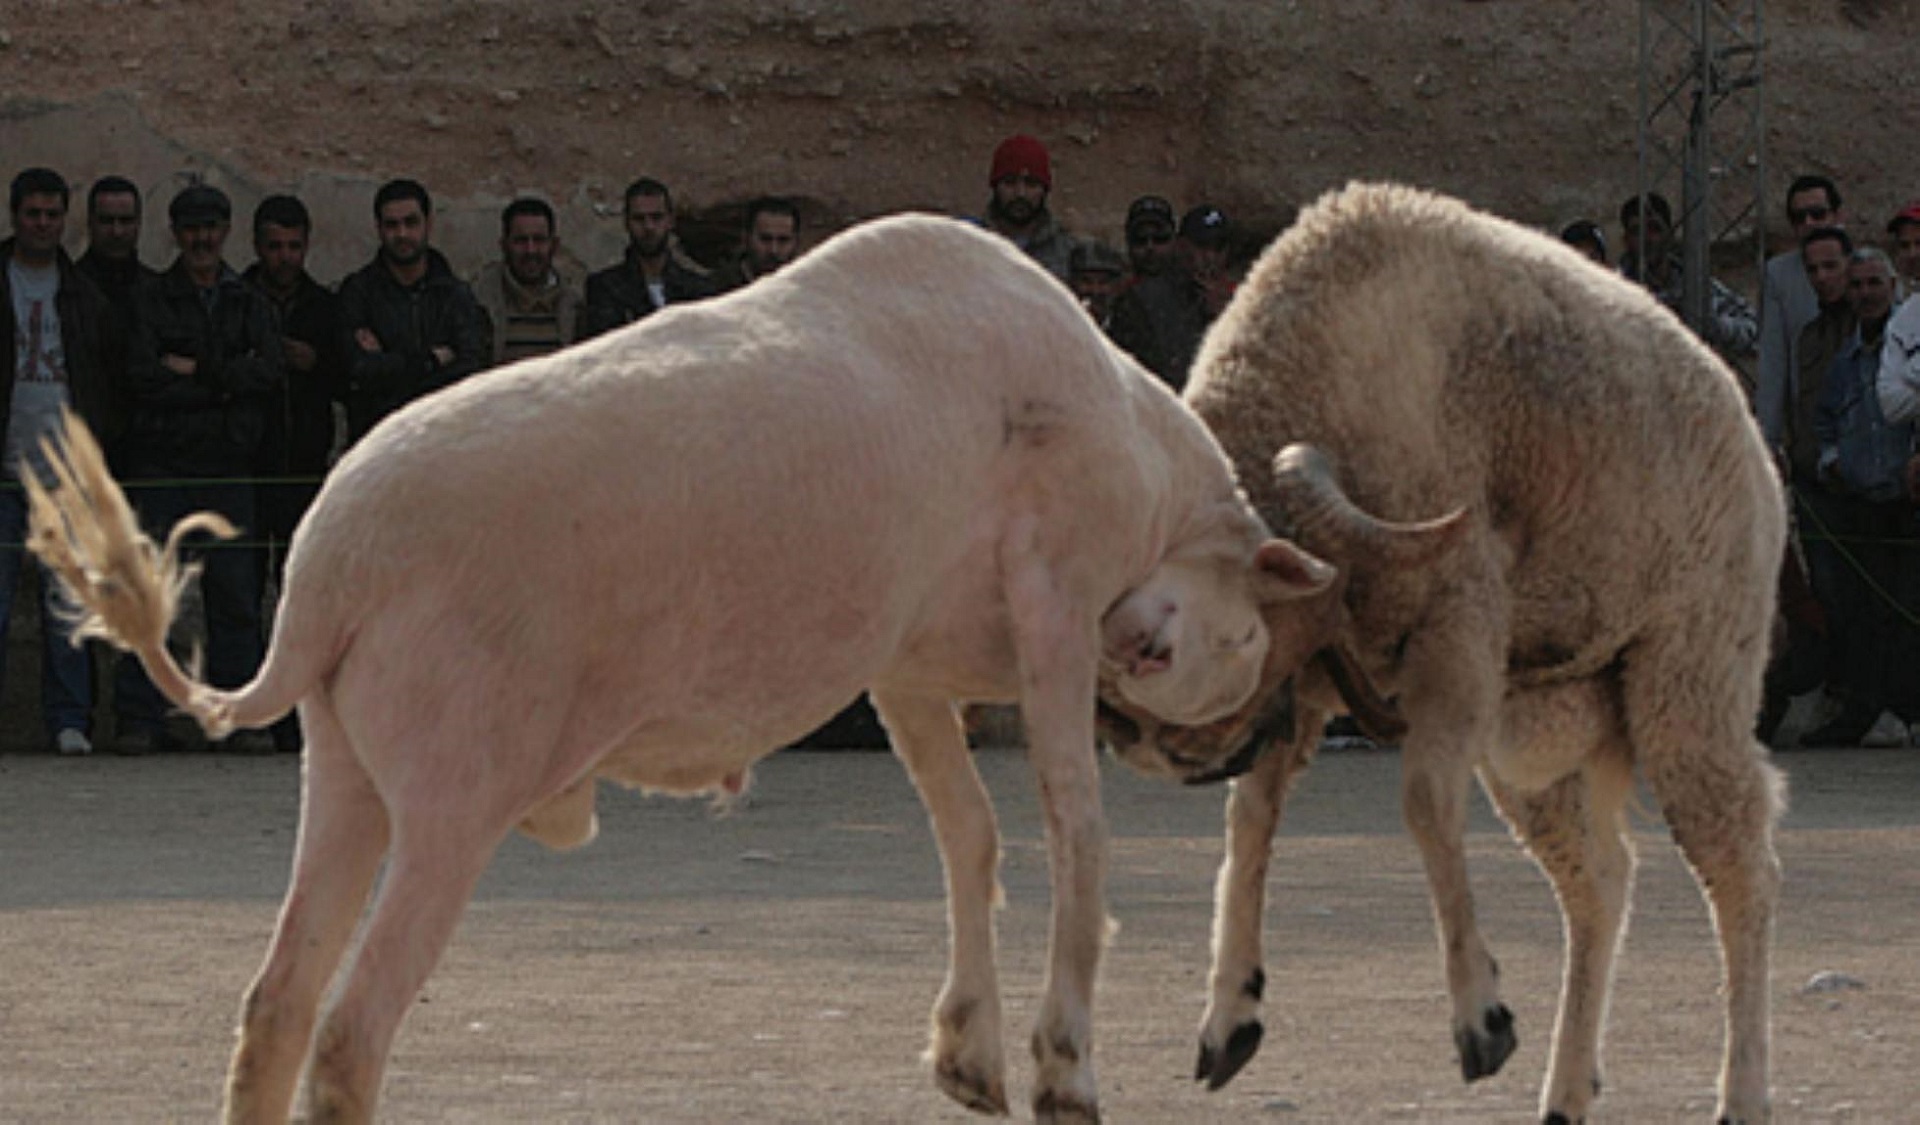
(343, 835)
(1689, 708)
(1576, 831)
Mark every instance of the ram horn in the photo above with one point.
(1324, 520)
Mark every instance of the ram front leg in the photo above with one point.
(1057, 644)
(1231, 1030)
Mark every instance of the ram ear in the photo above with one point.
(1377, 715)
(1289, 572)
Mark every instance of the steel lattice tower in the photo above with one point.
(1703, 131)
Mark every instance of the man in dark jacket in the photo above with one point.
(55, 325)
(300, 429)
(1162, 320)
(112, 260)
(654, 274)
(409, 325)
(205, 371)
(769, 240)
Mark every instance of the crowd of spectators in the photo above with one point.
(235, 391)
(1834, 349)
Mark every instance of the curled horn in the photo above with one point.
(1326, 521)
(1377, 715)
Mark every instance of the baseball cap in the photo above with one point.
(1149, 209)
(1908, 214)
(201, 205)
(1205, 225)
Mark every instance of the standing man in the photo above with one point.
(1788, 304)
(1097, 277)
(1903, 235)
(1162, 320)
(1150, 231)
(532, 308)
(409, 326)
(112, 263)
(1862, 464)
(1021, 180)
(112, 260)
(55, 322)
(1730, 328)
(655, 273)
(1817, 512)
(1586, 236)
(771, 239)
(206, 371)
(301, 428)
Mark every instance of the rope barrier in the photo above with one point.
(198, 542)
(1839, 542)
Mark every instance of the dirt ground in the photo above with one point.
(777, 965)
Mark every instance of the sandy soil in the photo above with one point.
(777, 965)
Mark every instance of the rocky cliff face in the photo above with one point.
(1527, 107)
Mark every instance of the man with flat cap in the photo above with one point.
(205, 368)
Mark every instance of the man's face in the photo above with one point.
(1870, 289)
(1150, 247)
(1809, 209)
(1205, 262)
(1826, 266)
(38, 224)
(201, 245)
(405, 231)
(649, 223)
(1655, 231)
(282, 252)
(772, 242)
(1019, 198)
(528, 247)
(113, 225)
(1096, 289)
(1906, 249)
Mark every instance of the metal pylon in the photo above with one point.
(1703, 132)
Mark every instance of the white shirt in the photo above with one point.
(39, 361)
(1899, 380)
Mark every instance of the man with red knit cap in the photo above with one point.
(1021, 178)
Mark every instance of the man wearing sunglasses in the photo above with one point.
(1788, 304)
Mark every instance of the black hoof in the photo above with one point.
(1559, 1119)
(1216, 1070)
(1482, 1055)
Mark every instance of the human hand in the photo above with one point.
(179, 364)
(300, 354)
(367, 340)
